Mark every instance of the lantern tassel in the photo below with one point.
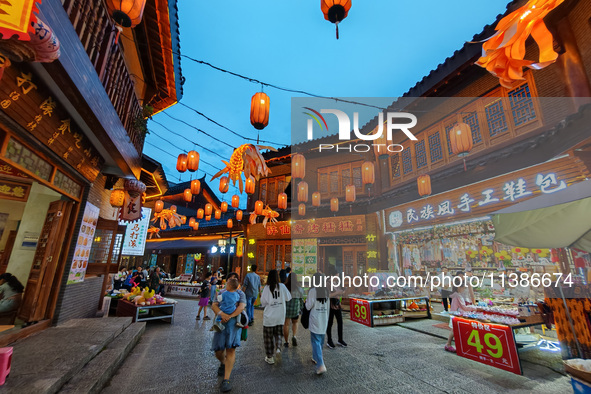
(119, 30)
(464, 165)
(337, 25)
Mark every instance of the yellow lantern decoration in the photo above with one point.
(282, 201)
(316, 199)
(334, 204)
(249, 185)
(192, 161)
(195, 186)
(117, 198)
(302, 209)
(181, 163)
(224, 206)
(208, 209)
(191, 222)
(200, 213)
(239, 215)
(424, 185)
(259, 110)
(224, 186)
(230, 223)
(187, 196)
(218, 214)
(460, 139)
(298, 166)
(159, 206)
(258, 207)
(127, 13)
(303, 191)
(235, 201)
(350, 193)
(368, 174)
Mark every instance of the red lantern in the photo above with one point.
(424, 184)
(380, 145)
(334, 204)
(282, 201)
(259, 110)
(230, 223)
(192, 161)
(117, 198)
(181, 163)
(335, 11)
(239, 215)
(460, 139)
(208, 218)
(173, 208)
(298, 166)
(127, 13)
(133, 187)
(350, 193)
(218, 214)
(302, 209)
(196, 226)
(195, 186)
(224, 184)
(187, 196)
(191, 222)
(208, 209)
(316, 199)
(258, 207)
(249, 185)
(368, 174)
(200, 213)
(302, 191)
(159, 206)
(235, 201)
(224, 206)
(183, 219)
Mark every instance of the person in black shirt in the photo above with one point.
(204, 294)
(335, 311)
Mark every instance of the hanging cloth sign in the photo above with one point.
(131, 211)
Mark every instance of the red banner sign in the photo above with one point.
(490, 344)
(360, 311)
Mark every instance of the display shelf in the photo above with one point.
(365, 311)
(145, 313)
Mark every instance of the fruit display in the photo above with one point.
(145, 297)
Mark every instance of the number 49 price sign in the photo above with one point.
(491, 344)
(360, 311)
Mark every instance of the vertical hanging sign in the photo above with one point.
(134, 242)
(84, 244)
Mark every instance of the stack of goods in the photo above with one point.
(487, 317)
(579, 309)
(145, 297)
(414, 307)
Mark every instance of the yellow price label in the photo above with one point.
(492, 342)
(360, 312)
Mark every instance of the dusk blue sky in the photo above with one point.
(385, 47)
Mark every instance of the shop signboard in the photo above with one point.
(134, 242)
(84, 244)
(304, 256)
(190, 264)
(360, 311)
(329, 227)
(490, 344)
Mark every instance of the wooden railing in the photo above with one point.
(97, 33)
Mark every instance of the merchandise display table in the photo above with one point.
(145, 313)
(380, 312)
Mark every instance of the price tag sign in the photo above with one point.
(490, 344)
(360, 311)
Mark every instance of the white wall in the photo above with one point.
(14, 209)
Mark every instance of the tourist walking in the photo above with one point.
(458, 303)
(251, 287)
(317, 303)
(273, 299)
(336, 311)
(204, 294)
(155, 280)
(293, 308)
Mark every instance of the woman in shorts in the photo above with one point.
(293, 308)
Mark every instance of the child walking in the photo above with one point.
(228, 302)
(204, 294)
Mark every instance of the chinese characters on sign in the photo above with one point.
(14, 190)
(135, 235)
(84, 244)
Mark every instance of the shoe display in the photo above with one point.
(270, 360)
(294, 341)
(226, 386)
(222, 370)
(342, 343)
(321, 370)
(330, 345)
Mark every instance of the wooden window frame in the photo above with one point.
(341, 185)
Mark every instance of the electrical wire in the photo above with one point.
(185, 138)
(198, 129)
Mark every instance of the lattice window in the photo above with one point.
(346, 176)
(495, 118)
(472, 121)
(406, 161)
(66, 184)
(435, 150)
(395, 163)
(421, 154)
(449, 128)
(334, 182)
(324, 183)
(23, 156)
(357, 181)
(522, 106)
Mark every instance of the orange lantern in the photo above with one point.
(316, 199)
(460, 139)
(200, 213)
(282, 201)
(235, 201)
(230, 223)
(302, 209)
(302, 191)
(218, 214)
(258, 207)
(159, 206)
(380, 145)
(368, 174)
(192, 161)
(298, 166)
(224, 184)
(208, 218)
(424, 184)
(181, 163)
(191, 222)
(163, 226)
(117, 198)
(335, 11)
(249, 185)
(127, 13)
(195, 186)
(239, 215)
(259, 110)
(224, 206)
(334, 204)
(173, 208)
(208, 209)
(350, 193)
(183, 219)
(187, 196)
(195, 226)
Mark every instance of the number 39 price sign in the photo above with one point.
(360, 311)
(491, 344)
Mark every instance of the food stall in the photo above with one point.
(182, 286)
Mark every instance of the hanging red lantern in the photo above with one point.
(302, 209)
(224, 206)
(173, 208)
(298, 166)
(195, 186)
(302, 191)
(235, 201)
(460, 139)
(195, 226)
(127, 13)
(191, 222)
(224, 186)
(249, 185)
(159, 206)
(259, 110)
(258, 207)
(200, 213)
(335, 11)
(316, 199)
(218, 214)
(282, 201)
(187, 196)
(183, 219)
(208, 218)
(350, 193)
(208, 209)
(181, 163)
(230, 223)
(424, 185)
(368, 174)
(117, 198)
(239, 215)
(334, 204)
(192, 161)
(133, 187)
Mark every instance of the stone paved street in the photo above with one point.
(177, 359)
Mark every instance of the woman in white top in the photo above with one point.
(318, 305)
(273, 299)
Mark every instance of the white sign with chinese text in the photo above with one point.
(134, 242)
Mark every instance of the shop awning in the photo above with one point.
(182, 243)
(557, 220)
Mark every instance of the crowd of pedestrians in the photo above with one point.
(140, 276)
